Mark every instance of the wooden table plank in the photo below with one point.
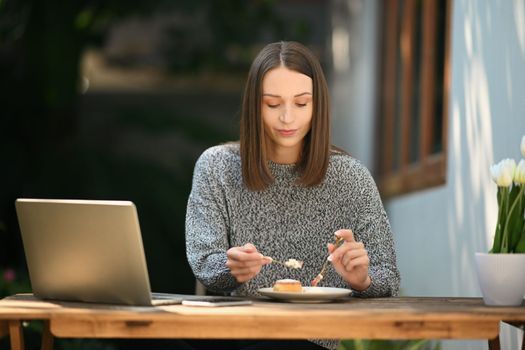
(257, 327)
(423, 309)
(494, 344)
(47, 337)
(381, 318)
(389, 318)
(3, 329)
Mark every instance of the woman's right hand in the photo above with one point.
(245, 262)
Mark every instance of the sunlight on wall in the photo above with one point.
(486, 120)
(353, 78)
(441, 228)
(519, 18)
(478, 137)
(341, 48)
(455, 144)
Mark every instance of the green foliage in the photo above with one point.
(510, 227)
(12, 282)
(46, 151)
(220, 35)
(192, 128)
(53, 148)
(388, 345)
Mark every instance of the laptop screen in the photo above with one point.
(84, 250)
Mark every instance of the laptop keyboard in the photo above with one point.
(165, 299)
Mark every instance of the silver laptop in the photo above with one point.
(86, 250)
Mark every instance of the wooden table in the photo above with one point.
(3, 329)
(381, 318)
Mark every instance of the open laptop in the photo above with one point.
(86, 250)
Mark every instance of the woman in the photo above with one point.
(283, 192)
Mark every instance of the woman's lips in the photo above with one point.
(286, 132)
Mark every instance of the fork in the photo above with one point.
(338, 242)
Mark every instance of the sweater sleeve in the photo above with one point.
(207, 227)
(373, 229)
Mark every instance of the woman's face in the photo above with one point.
(286, 112)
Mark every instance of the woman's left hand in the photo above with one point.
(351, 261)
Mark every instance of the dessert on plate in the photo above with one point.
(287, 285)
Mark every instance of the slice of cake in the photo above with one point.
(287, 285)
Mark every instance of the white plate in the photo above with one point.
(308, 295)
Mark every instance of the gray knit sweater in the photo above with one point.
(285, 221)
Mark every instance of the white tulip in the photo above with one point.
(503, 172)
(494, 172)
(519, 173)
(523, 145)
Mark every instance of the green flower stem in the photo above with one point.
(520, 247)
(503, 194)
(509, 247)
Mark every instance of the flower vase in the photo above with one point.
(501, 278)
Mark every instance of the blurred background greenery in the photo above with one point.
(114, 99)
(417, 344)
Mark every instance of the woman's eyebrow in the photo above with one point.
(301, 94)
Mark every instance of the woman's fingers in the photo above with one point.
(361, 261)
(347, 235)
(352, 254)
(245, 262)
(245, 274)
(338, 253)
(249, 248)
(243, 254)
(351, 260)
(349, 243)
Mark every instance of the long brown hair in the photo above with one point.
(315, 154)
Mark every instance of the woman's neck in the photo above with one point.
(284, 155)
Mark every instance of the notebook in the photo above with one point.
(86, 250)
